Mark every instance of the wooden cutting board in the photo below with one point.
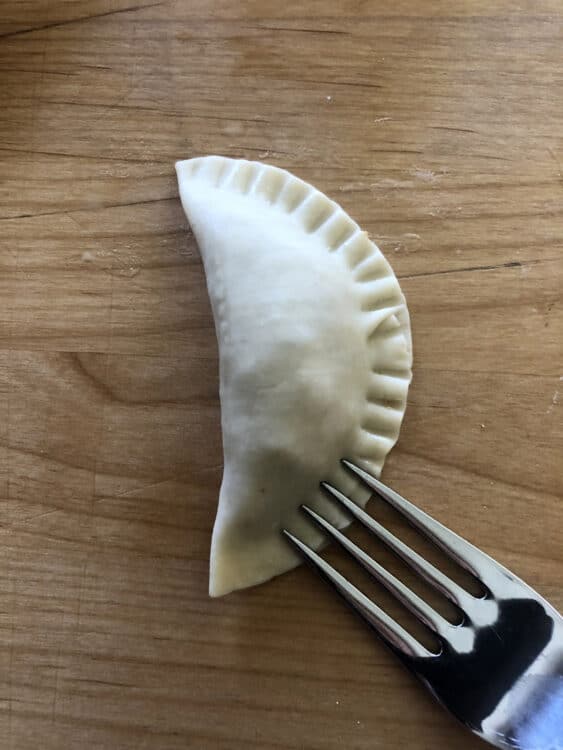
(439, 126)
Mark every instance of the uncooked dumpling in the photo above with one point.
(315, 356)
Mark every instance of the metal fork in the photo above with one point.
(500, 672)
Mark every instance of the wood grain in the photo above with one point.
(439, 126)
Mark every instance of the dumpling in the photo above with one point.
(315, 356)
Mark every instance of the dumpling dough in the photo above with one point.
(315, 356)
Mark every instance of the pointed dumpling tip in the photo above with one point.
(188, 167)
(219, 171)
(214, 592)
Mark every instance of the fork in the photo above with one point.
(499, 672)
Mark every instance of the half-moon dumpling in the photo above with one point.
(315, 356)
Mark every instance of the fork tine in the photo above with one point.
(434, 620)
(425, 569)
(466, 554)
(390, 631)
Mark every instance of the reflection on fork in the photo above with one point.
(500, 671)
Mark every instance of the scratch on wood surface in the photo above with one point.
(508, 264)
(42, 514)
(86, 209)
(60, 24)
(39, 71)
(105, 683)
(99, 158)
(353, 84)
(131, 492)
(299, 30)
(453, 129)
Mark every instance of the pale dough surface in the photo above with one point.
(315, 356)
